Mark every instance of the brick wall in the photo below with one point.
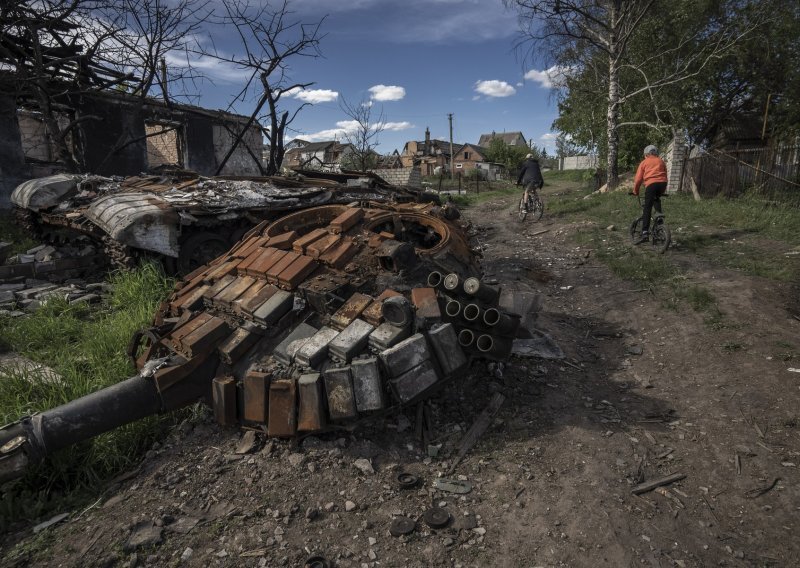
(674, 157)
(410, 177)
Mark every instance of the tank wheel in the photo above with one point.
(199, 249)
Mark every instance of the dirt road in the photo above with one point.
(642, 393)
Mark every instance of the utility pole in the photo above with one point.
(452, 165)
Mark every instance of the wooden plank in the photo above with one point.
(650, 485)
(478, 428)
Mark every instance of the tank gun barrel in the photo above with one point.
(31, 439)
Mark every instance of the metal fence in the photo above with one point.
(770, 171)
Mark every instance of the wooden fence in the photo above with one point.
(770, 171)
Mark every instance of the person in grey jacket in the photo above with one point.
(530, 176)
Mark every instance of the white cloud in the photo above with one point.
(396, 126)
(494, 88)
(313, 96)
(548, 136)
(444, 20)
(387, 92)
(348, 126)
(210, 67)
(549, 78)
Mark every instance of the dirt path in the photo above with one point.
(643, 392)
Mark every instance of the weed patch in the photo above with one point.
(86, 351)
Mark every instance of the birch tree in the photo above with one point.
(599, 33)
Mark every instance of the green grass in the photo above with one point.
(569, 175)
(746, 234)
(86, 348)
(12, 233)
(467, 199)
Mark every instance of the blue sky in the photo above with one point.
(417, 60)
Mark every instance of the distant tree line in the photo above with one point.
(630, 73)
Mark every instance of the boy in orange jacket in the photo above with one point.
(653, 173)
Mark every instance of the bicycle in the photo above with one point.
(533, 207)
(659, 236)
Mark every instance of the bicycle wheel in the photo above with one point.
(538, 208)
(635, 230)
(523, 212)
(661, 238)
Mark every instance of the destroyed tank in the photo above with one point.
(178, 217)
(322, 319)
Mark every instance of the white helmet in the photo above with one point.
(529, 156)
(651, 150)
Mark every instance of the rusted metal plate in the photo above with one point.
(219, 286)
(339, 390)
(303, 221)
(239, 343)
(367, 384)
(178, 334)
(266, 260)
(247, 262)
(284, 241)
(190, 301)
(427, 304)
(322, 245)
(296, 272)
(415, 382)
(252, 299)
(282, 404)
(246, 247)
(166, 377)
(236, 289)
(347, 220)
(238, 304)
(311, 409)
(223, 269)
(206, 337)
(351, 309)
(373, 314)
(340, 254)
(323, 290)
(256, 397)
(285, 261)
(300, 244)
(224, 400)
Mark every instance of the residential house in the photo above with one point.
(427, 154)
(122, 135)
(325, 155)
(510, 138)
(391, 161)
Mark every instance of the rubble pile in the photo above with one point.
(29, 280)
(179, 215)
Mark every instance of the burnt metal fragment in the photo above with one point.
(436, 517)
(402, 526)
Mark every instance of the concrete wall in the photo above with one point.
(120, 125)
(401, 176)
(13, 169)
(240, 163)
(578, 162)
(675, 159)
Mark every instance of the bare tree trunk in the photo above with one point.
(612, 130)
(612, 117)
